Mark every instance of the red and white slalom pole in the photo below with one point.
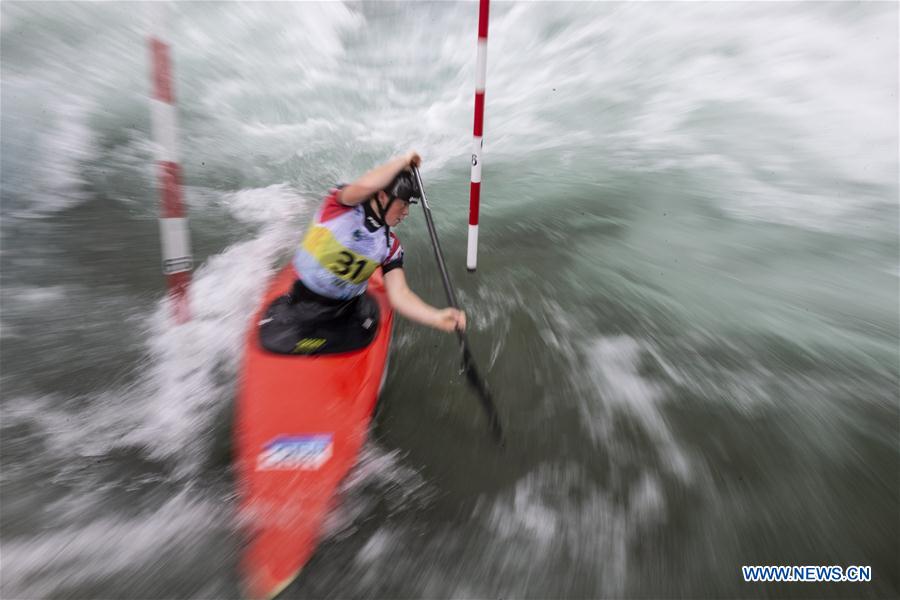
(177, 260)
(477, 142)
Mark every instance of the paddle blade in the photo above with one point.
(484, 395)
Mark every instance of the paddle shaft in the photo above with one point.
(471, 370)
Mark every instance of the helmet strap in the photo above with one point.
(382, 211)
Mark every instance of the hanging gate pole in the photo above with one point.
(478, 140)
(177, 260)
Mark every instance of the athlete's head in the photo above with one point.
(404, 187)
(394, 200)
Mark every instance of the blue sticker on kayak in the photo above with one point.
(304, 452)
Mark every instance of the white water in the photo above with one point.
(782, 114)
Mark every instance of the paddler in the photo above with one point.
(351, 236)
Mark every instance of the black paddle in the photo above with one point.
(468, 363)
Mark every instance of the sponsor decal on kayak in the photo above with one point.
(308, 345)
(303, 452)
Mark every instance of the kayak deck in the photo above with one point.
(301, 422)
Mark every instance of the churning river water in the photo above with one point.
(686, 302)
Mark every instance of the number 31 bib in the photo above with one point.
(342, 248)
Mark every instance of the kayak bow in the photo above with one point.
(301, 423)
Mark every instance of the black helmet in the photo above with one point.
(403, 186)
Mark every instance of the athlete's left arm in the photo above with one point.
(408, 304)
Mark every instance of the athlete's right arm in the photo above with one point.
(376, 179)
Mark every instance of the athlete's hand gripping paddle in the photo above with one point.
(468, 363)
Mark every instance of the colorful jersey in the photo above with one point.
(342, 248)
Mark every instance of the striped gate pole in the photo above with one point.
(177, 260)
(478, 141)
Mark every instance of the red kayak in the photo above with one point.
(301, 422)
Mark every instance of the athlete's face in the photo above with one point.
(398, 211)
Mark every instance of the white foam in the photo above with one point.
(191, 365)
(397, 484)
(376, 547)
(107, 546)
(32, 294)
(556, 511)
(777, 92)
(65, 145)
(272, 204)
(621, 389)
(188, 372)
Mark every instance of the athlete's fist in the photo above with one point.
(413, 159)
(450, 319)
